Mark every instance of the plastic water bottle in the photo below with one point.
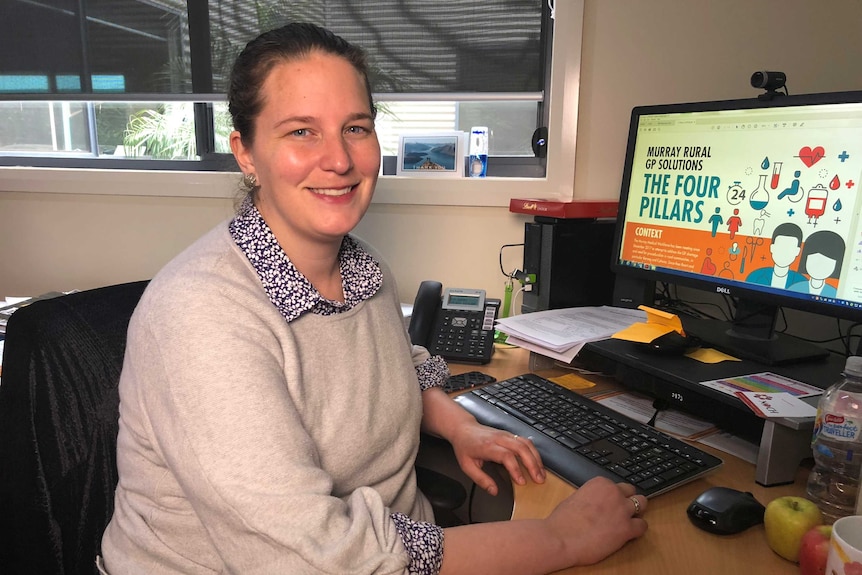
(837, 445)
(478, 161)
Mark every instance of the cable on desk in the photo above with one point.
(508, 290)
(504, 246)
(659, 405)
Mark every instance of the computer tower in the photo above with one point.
(571, 259)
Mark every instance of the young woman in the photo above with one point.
(271, 402)
(821, 259)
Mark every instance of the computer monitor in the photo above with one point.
(756, 199)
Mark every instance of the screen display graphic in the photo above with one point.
(762, 197)
(748, 199)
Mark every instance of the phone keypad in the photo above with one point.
(465, 336)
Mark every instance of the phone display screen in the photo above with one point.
(465, 300)
(456, 299)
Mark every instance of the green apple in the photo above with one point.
(786, 520)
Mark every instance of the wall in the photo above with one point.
(68, 241)
(633, 53)
(666, 51)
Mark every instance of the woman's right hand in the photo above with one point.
(586, 527)
(598, 519)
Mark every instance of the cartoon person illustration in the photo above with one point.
(716, 220)
(733, 223)
(794, 188)
(708, 266)
(821, 259)
(726, 272)
(785, 247)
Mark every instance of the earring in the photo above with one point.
(249, 181)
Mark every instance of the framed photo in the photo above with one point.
(437, 155)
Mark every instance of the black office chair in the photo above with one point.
(58, 428)
(59, 407)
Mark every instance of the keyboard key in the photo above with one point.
(651, 483)
(619, 470)
(576, 437)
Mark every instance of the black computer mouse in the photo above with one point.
(725, 511)
(671, 343)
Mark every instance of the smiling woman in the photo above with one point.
(316, 169)
(286, 441)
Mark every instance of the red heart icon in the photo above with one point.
(810, 156)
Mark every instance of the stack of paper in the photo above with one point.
(7, 306)
(561, 333)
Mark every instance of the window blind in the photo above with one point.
(84, 47)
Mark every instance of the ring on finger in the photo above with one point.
(637, 504)
(515, 436)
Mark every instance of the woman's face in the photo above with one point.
(819, 266)
(315, 154)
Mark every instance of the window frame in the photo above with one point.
(558, 183)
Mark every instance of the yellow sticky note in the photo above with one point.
(709, 355)
(572, 381)
(657, 324)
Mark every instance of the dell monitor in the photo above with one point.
(755, 199)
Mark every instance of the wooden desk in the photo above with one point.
(672, 544)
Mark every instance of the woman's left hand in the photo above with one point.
(474, 444)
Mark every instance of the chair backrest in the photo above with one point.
(59, 410)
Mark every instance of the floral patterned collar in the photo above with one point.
(287, 288)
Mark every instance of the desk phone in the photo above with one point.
(457, 323)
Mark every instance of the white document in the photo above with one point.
(558, 330)
(733, 445)
(776, 404)
(566, 356)
(766, 382)
(641, 409)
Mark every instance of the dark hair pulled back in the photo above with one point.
(292, 41)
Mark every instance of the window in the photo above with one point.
(139, 83)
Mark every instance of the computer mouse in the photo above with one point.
(671, 343)
(724, 511)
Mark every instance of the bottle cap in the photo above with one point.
(853, 365)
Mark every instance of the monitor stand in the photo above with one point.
(779, 349)
(751, 335)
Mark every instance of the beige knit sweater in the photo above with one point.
(251, 445)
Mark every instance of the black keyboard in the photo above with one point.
(579, 438)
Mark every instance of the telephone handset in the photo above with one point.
(456, 323)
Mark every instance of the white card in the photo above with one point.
(776, 404)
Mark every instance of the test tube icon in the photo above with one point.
(776, 175)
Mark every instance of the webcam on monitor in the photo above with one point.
(770, 81)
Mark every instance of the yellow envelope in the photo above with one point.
(657, 324)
